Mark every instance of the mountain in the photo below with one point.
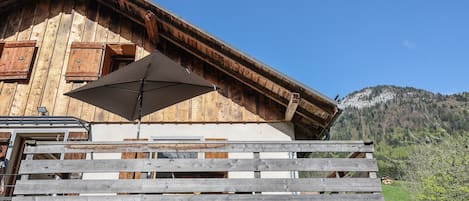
(396, 118)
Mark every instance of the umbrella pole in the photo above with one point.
(138, 129)
(140, 106)
(139, 115)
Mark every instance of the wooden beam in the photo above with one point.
(151, 25)
(8, 4)
(117, 9)
(292, 105)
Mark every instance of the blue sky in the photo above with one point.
(339, 46)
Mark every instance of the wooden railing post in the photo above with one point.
(372, 175)
(25, 177)
(28, 157)
(257, 174)
(369, 155)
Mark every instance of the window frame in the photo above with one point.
(117, 52)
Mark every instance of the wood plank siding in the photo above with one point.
(56, 26)
(248, 91)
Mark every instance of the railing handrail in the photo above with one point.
(206, 146)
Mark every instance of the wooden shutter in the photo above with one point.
(76, 136)
(209, 155)
(16, 59)
(5, 137)
(84, 62)
(4, 142)
(216, 154)
(132, 155)
(1, 48)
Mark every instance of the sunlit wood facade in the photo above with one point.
(249, 91)
(50, 47)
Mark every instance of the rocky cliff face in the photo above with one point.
(364, 98)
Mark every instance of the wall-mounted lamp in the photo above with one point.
(42, 110)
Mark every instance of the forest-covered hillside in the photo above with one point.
(398, 118)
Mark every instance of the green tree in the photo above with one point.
(441, 171)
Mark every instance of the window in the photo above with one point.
(188, 155)
(16, 59)
(117, 56)
(88, 61)
(175, 155)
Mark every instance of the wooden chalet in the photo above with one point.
(245, 141)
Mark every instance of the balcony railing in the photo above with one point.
(96, 176)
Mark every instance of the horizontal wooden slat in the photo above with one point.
(118, 147)
(231, 197)
(122, 49)
(196, 165)
(196, 185)
(81, 74)
(12, 44)
(87, 45)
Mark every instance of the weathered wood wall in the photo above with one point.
(55, 24)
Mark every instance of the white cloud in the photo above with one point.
(409, 44)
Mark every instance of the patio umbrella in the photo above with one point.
(143, 87)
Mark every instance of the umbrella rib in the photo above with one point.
(172, 84)
(111, 85)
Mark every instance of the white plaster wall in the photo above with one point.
(230, 131)
(233, 131)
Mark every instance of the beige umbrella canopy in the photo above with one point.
(143, 87)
